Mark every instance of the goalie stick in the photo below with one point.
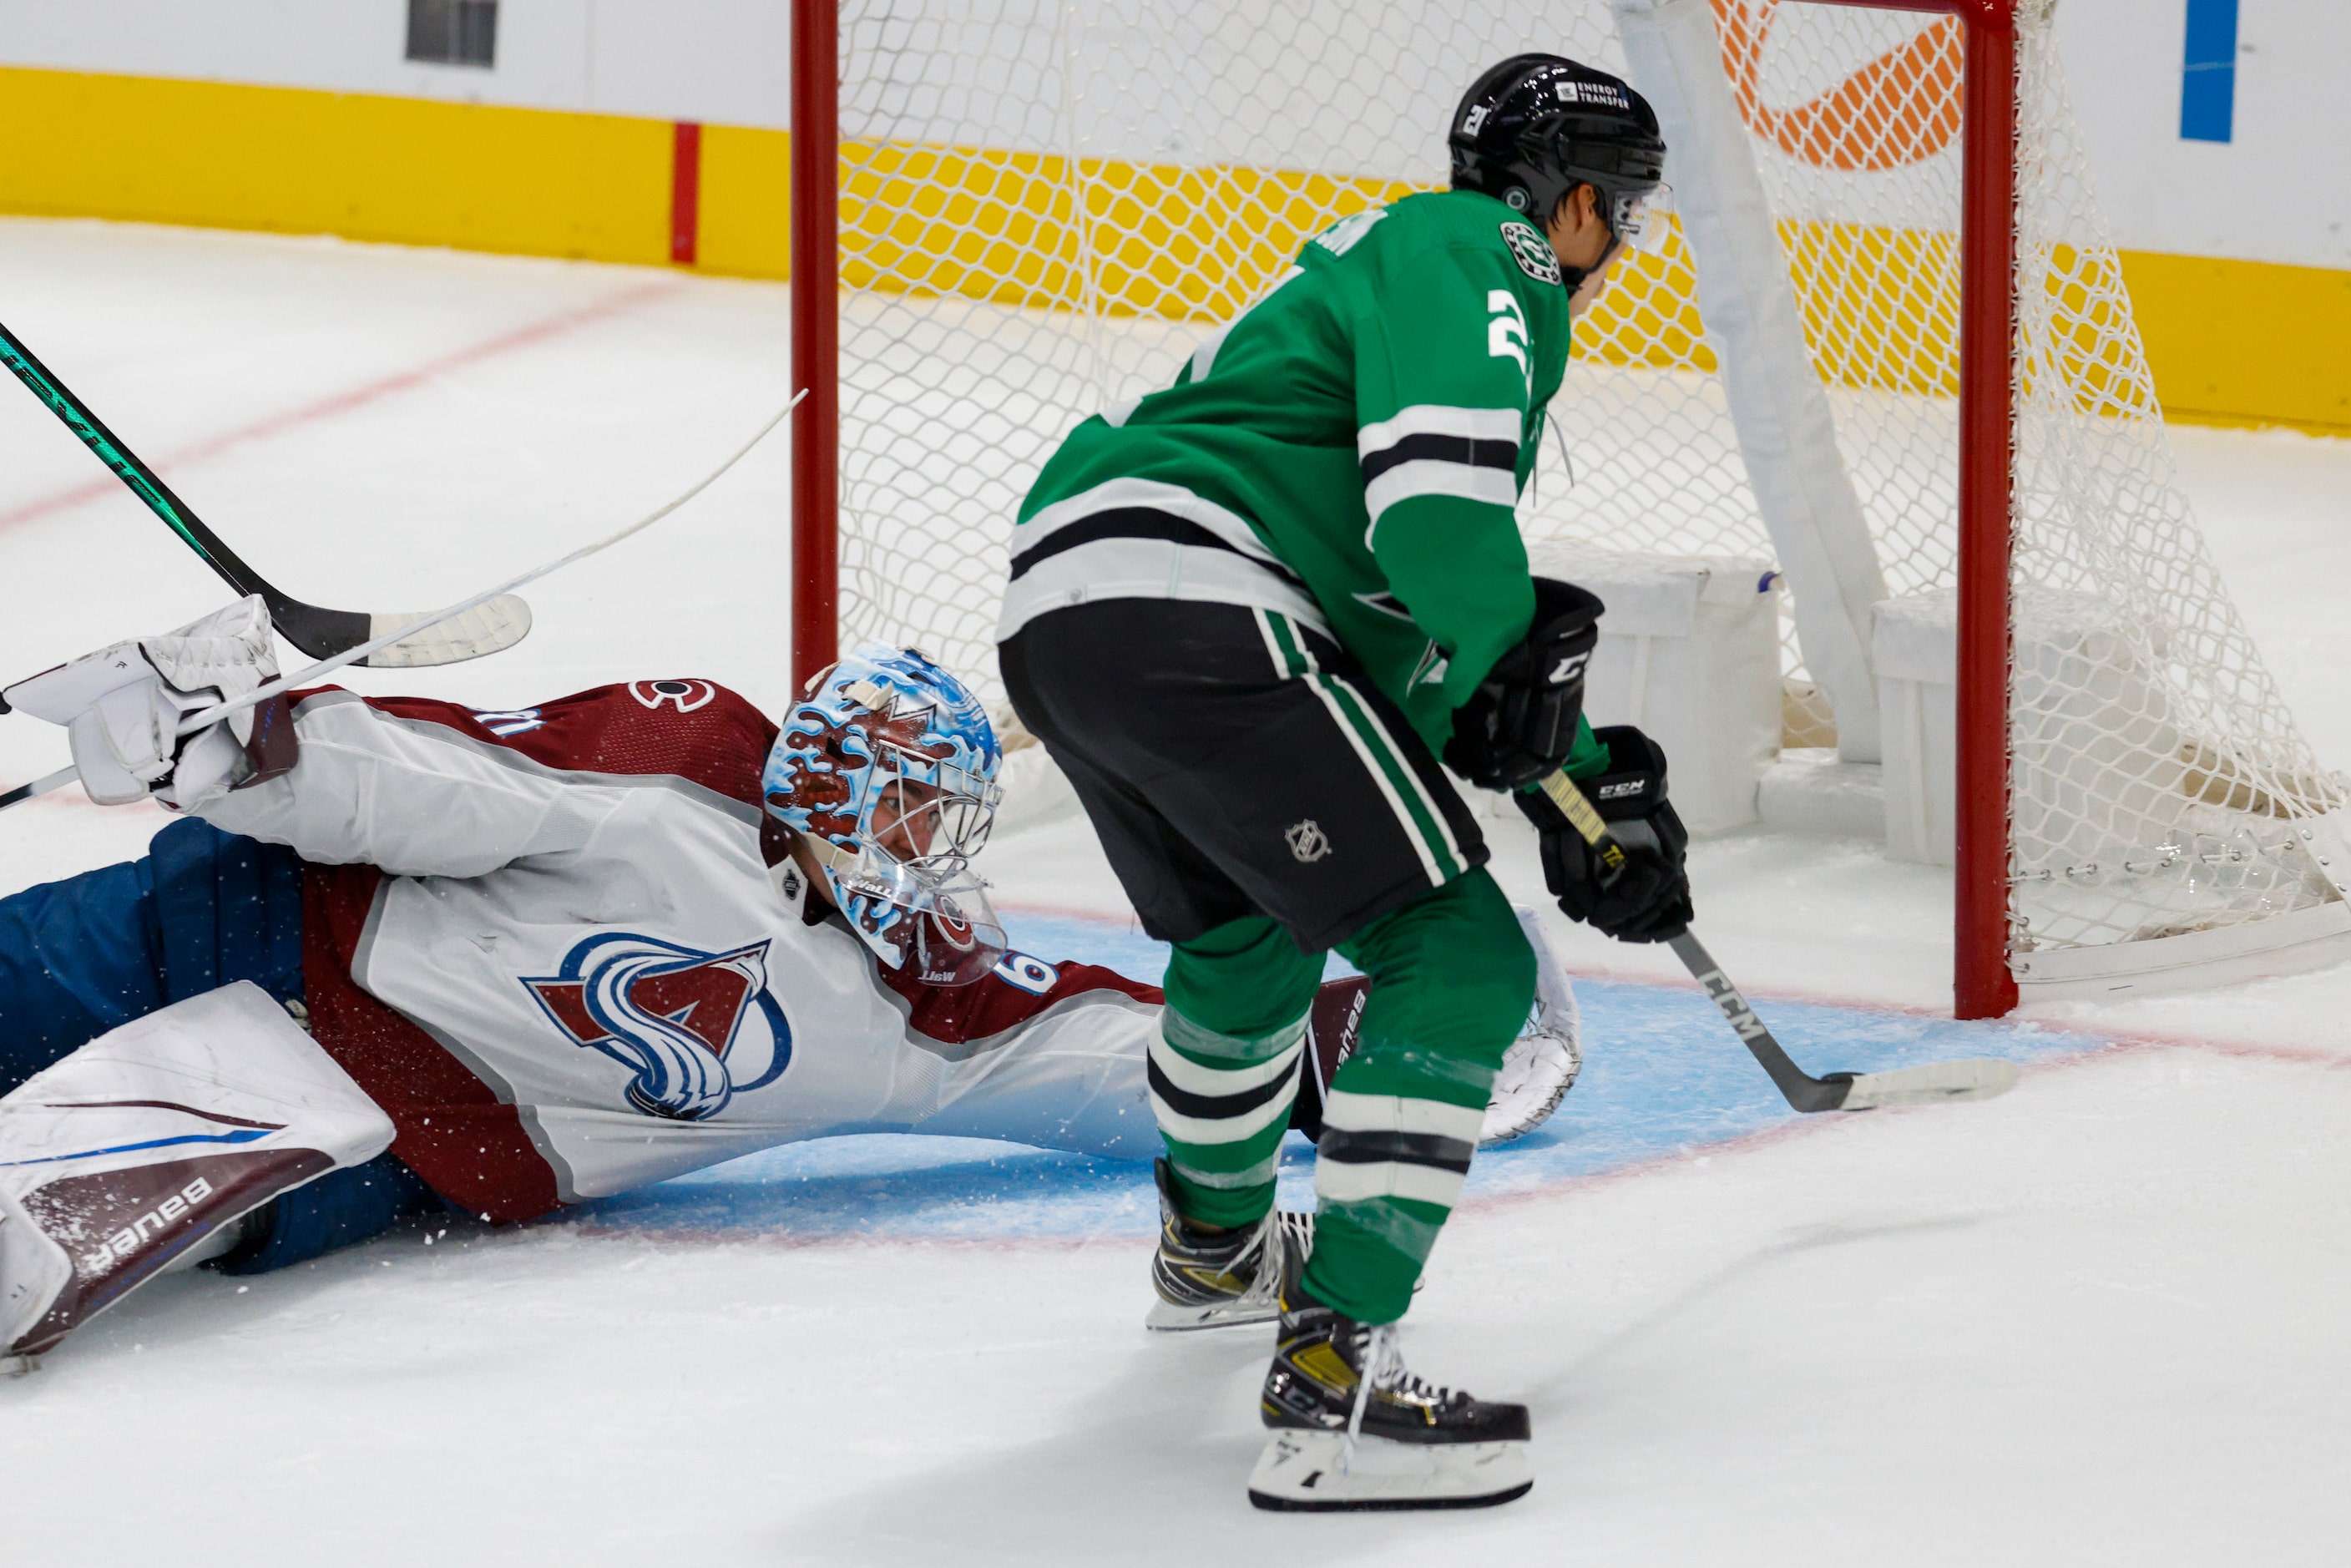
(495, 623)
(207, 717)
(1932, 1085)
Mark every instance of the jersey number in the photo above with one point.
(1506, 333)
(1029, 974)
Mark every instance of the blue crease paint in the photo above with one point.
(1662, 1078)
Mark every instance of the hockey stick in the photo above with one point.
(41, 786)
(207, 717)
(1978, 1079)
(498, 624)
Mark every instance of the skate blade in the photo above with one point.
(1166, 1317)
(1301, 1472)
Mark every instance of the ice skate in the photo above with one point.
(1223, 1279)
(1351, 1429)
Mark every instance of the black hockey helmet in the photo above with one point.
(1535, 127)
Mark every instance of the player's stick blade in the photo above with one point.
(484, 629)
(1311, 1472)
(1938, 1083)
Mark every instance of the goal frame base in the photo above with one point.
(2290, 944)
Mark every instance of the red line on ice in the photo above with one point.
(342, 403)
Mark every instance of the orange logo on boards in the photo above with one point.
(1901, 107)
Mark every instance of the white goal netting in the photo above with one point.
(1045, 206)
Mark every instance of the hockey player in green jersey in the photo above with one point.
(1247, 615)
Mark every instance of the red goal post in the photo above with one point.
(816, 336)
(1982, 983)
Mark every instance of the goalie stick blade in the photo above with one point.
(1936, 1083)
(484, 629)
(1311, 1472)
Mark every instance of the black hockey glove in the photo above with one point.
(1519, 723)
(1648, 899)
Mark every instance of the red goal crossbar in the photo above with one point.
(1982, 984)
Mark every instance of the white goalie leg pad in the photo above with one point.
(1314, 1472)
(138, 1148)
(1542, 1063)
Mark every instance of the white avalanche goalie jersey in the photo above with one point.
(563, 948)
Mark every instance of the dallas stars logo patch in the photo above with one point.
(1532, 253)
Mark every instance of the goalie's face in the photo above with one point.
(919, 819)
(903, 825)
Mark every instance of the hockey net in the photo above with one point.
(1043, 208)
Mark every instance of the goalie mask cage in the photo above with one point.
(1884, 347)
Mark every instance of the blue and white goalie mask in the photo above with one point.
(886, 770)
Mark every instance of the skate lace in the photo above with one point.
(1277, 1237)
(1380, 1364)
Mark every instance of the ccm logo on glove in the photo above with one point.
(1646, 898)
(1521, 721)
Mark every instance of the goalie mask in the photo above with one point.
(886, 769)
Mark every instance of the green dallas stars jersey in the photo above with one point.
(1360, 433)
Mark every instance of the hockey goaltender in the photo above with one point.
(400, 958)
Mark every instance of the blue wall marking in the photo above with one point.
(2207, 83)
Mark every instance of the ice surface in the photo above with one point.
(2098, 1321)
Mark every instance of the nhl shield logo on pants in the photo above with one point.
(1307, 841)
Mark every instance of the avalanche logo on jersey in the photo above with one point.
(696, 1027)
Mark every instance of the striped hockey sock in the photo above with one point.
(1223, 1104)
(1452, 977)
(1387, 1173)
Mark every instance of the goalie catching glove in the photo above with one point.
(122, 708)
(1521, 721)
(1647, 899)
